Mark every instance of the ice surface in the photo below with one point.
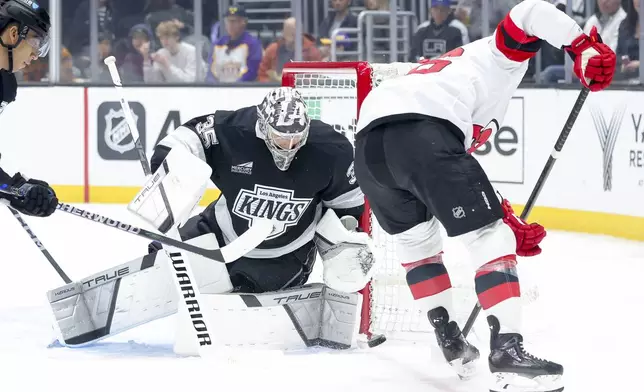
(588, 317)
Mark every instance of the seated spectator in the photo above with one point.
(340, 17)
(283, 50)
(628, 44)
(440, 34)
(157, 11)
(607, 19)
(176, 61)
(235, 57)
(133, 52)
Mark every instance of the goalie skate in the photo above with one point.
(516, 370)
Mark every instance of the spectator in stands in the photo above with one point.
(176, 61)
(133, 53)
(628, 43)
(578, 9)
(78, 40)
(470, 12)
(341, 16)
(607, 18)
(440, 34)
(157, 11)
(283, 50)
(236, 56)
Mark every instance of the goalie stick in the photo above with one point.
(563, 136)
(189, 308)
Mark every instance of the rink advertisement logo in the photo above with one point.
(607, 133)
(114, 140)
(188, 291)
(500, 148)
(608, 130)
(276, 204)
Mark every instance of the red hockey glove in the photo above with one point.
(594, 60)
(528, 235)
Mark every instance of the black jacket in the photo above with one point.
(432, 40)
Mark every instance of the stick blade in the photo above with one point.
(248, 241)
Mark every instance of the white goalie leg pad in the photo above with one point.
(173, 191)
(131, 294)
(347, 256)
(113, 301)
(292, 319)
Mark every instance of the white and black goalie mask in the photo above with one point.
(284, 124)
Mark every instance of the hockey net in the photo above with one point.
(334, 92)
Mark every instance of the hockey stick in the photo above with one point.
(40, 245)
(563, 136)
(190, 309)
(249, 240)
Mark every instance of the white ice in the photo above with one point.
(588, 317)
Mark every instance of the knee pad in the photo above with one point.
(211, 276)
(490, 242)
(420, 242)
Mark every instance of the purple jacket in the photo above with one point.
(234, 61)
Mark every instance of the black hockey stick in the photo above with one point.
(215, 254)
(563, 136)
(40, 245)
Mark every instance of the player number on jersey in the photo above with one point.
(437, 64)
(206, 131)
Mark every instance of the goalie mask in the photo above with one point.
(283, 123)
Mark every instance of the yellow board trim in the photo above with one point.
(623, 226)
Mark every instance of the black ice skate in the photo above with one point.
(514, 369)
(458, 352)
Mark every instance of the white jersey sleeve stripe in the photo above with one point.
(351, 199)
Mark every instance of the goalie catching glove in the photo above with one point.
(347, 256)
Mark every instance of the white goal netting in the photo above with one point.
(333, 93)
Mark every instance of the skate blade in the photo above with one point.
(465, 371)
(513, 382)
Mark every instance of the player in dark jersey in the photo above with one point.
(24, 36)
(269, 161)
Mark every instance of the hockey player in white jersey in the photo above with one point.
(412, 162)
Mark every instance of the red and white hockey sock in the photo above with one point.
(429, 283)
(498, 291)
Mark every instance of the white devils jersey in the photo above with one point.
(471, 86)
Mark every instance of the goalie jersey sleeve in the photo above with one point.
(252, 187)
(471, 86)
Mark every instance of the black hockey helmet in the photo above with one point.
(29, 15)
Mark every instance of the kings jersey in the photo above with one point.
(252, 187)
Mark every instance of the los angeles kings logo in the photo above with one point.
(267, 202)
